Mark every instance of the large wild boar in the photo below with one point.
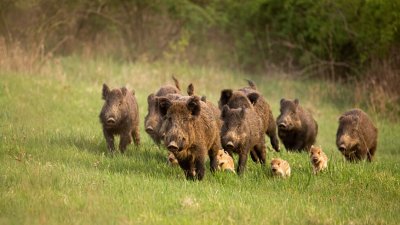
(357, 136)
(297, 129)
(242, 132)
(248, 97)
(190, 132)
(152, 121)
(120, 116)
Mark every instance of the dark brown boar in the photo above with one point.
(247, 97)
(190, 133)
(241, 132)
(356, 137)
(120, 116)
(297, 128)
(152, 121)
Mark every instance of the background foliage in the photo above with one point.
(353, 41)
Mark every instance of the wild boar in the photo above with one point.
(318, 158)
(357, 136)
(152, 121)
(249, 97)
(280, 168)
(190, 132)
(242, 132)
(225, 161)
(297, 128)
(120, 116)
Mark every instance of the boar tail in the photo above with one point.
(176, 82)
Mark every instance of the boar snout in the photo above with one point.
(273, 169)
(110, 121)
(342, 148)
(149, 129)
(230, 145)
(282, 126)
(172, 146)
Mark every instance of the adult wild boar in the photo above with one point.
(249, 97)
(297, 129)
(120, 116)
(152, 121)
(190, 132)
(241, 132)
(357, 136)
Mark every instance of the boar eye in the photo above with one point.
(120, 103)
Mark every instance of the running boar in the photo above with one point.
(190, 132)
(152, 121)
(248, 97)
(297, 129)
(225, 161)
(242, 132)
(280, 168)
(318, 158)
(356, 137)
(120, 116)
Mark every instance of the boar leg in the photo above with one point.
(212, 153)
(136, 135)
(187, 167)
(110, 140)
(242, 162)
(370, 154)
(271, 132)
(126, 139)
(254, 156)
(200, 169)
(261, 153)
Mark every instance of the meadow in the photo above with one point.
(55, 168)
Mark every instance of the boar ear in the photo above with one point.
(150, 98)
(282, 101)
(225, 111)
(190, 89)
(124, 91)
(106, 90)
(225, 96)
(296, 102)
(253, 97)
(163, 105)
(193, 104)
(203, 98)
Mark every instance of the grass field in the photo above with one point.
(54, 166)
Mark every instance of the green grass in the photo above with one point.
(54, 167)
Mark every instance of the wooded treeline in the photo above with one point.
(334, 39)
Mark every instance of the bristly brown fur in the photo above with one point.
(357, 136)
(191, 131)
(152, 121)
(120, 116)
(242, 133)
(249, 97)
(297, 128)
